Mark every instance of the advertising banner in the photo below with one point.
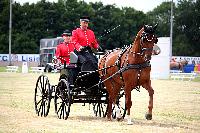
(20, 57)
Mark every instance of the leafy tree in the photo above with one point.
(188, 27)
(161, 15)
(32, 22)
(4, 26)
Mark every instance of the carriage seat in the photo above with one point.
(73, 58)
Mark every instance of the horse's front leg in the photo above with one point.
(128, 106)
(150, 106)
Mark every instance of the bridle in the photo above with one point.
(147, 37)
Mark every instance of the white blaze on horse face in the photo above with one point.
(149, 50)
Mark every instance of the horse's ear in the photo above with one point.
(154, 28)
(145, 27)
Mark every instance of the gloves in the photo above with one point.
(82, 48)
(94, 50)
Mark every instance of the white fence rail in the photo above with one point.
(182, 76)
(12, 68)
(37, 69)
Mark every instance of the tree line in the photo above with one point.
(32, 22)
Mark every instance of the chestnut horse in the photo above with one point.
(129, 69)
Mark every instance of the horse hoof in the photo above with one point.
(119, 119)
(129, 123)
(148, 116)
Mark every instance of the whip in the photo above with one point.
(108, 31)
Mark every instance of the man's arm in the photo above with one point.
(75, 40)
(94, 42)
(57, 54)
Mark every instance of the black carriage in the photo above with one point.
(80, 90)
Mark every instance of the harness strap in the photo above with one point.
(140, 67)
(123, 69)
(118, 62)
(138, 80)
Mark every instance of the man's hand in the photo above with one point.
(94, 50)
(82, 48)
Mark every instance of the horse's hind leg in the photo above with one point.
(110, 98)
(150, 90)
(113, 89)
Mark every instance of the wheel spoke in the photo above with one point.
(65, 111)
(39, 109)
(41, 84)
(100, 109)
(38, 95)
(39, 89)
(45, 103)
(59, 109)
(39, 102)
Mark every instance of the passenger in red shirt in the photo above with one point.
(84, 40)
(64, 48)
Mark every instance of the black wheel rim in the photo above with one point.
(42, 96)
(62, 99)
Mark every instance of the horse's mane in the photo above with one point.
(138, 35)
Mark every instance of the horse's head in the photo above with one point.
(147, 40)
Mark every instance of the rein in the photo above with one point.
(123, 69)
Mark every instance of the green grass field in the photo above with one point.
(176, 109)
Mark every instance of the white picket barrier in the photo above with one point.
(37, 69)
(12, 68)
(183, 76)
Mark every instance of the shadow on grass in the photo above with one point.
(162, 124)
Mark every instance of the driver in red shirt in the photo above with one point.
(85, 41)
(83, 36)
(64, 48)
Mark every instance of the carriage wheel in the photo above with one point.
(100, 109)
(120, 102)
(42, 96)
(62, 99)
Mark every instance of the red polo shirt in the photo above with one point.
(84, 38)
(63, 52)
